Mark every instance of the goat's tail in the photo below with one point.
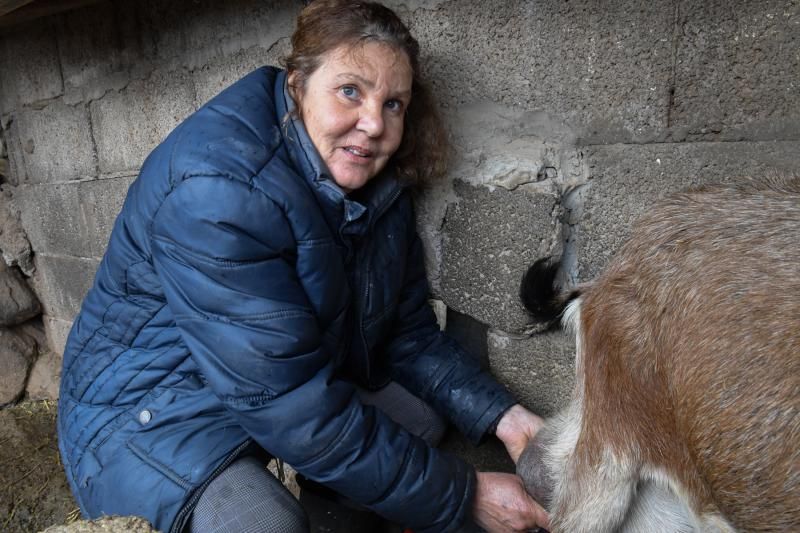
(540, 293)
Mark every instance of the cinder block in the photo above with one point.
(61, 283)
(72, 218)
(163, 28)
(129, 123)
(210, 30)
(57, 331)
(100, 201)
(489, 239)
(605, 67)
(49, 216)
(56, 143)
(738, 70)
(101, 47)
(29, 63)
(222, 29)
(539, 370)
(212, 78)
(627, 179)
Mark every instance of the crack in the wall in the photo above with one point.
(571, 203)
(692, 143)
(676, 31)
(60, 62)
(95, 155)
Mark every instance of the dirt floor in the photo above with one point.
(33, 489)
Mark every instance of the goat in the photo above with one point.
(685, 415)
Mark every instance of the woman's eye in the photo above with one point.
(394, 105)
(349, 91)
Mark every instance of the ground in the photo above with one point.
(33, 489)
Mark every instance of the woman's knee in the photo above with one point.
(246, 497)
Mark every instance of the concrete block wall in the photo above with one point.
(568, 120)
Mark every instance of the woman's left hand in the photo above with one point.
(516, 428)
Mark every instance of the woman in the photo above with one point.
(264, 295)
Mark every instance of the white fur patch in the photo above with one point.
(571, 322)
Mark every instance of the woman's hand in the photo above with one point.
(517, 427)
(503, 506)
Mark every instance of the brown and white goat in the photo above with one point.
(686, 410)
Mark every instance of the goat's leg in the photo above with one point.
(594, 499)
(580, 498)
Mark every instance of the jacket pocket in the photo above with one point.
(183, 432)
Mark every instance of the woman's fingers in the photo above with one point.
(503, 506)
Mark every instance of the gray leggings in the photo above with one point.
(246, 498)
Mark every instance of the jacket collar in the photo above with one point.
(350, 214)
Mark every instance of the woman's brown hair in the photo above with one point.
(327, 24)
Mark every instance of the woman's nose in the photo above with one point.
(370, 120)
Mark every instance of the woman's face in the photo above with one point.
(353, 107)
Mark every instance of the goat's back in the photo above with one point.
(702, 306)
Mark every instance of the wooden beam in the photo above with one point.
(7, 6)
(28, 10)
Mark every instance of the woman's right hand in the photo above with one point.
(503, 506)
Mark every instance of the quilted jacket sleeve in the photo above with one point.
(223, 252)
(433, 365)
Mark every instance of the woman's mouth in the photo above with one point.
(358, 151)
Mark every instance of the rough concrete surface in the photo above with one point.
(489, 239)
(736, 74)
(210, 79)
(149, 109)
(56, 331)
(73, 219)
(573, 59)
(34, 46)
(101, 49)
(214, 29)
(539, 370)
(61, 282)
(56, 143)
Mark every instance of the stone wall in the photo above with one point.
(568, 118)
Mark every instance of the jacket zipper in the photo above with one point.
(365, 297)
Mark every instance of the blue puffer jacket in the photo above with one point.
(241, 296)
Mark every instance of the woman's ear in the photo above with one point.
(295, 90)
